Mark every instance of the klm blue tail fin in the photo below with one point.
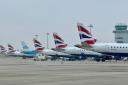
(24, 45)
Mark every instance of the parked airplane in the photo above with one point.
(24, 54)
(112, 49)
(49, 52)
(78, 53)
(27, 51)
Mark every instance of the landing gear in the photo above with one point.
(103, 58)
(23, 57)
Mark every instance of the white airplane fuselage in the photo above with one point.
(50, 52)
(114, 49)
(80, 52)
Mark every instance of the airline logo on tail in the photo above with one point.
(38, 45)
(59, 42)
(85, 35)
(11, 49)
(24, 45)
(2, 48)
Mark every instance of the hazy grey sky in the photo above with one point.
(22, 19)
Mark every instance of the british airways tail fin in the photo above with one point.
(2, 49)
(59, 42)
(11, 49)
(24, 46)
(85, 36)
(38, 45)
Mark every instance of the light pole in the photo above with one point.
(90, 26)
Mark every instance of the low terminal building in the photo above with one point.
(121, 33)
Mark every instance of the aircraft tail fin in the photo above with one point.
(59, 42)
(85, 36)
(11, 49)
(38, 45)
(2, 49)
(24, 45)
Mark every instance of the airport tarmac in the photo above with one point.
(17, 71)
